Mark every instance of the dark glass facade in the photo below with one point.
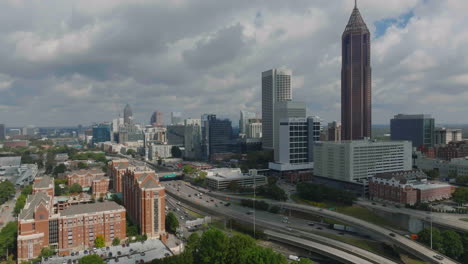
(419, 129)
(219, 135)
(101, 133)
(356, 84)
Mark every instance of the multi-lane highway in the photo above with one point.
(273, 222)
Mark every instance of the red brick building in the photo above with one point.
(407, 187)
(84, 178)
(16, 143)
(40, 224)
(115, 170)
(100, 186)
(452, 150)
(144, 197)
(428, 152)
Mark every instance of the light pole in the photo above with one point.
(430, 207)
(254, 208)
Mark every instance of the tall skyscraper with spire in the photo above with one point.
(356, 84)
(128, 114)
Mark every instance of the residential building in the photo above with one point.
(193, 139)
(334, 131)
(419, 129)
(222, 178)
(144, 197)
(101, 133)
(159, 151)
(176, 118)
(443, 136)
(157, 119)
(75, 228)
(407, 187)
(2, 132)
(358, 160)
(100, 186)
(128, 115)
(356, 76)
(115, 170)
(276, 87)
(84, 178)
(452, 150)
(244, 121)
(175, 135)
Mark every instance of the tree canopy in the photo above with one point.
(76, 188)
(460, 195)
(99, 242)
(172, 223)
(319, 193)
(8, 236)
(7, 190)
(91, 259)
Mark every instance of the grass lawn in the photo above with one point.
(194, 214)
(464, 219)
(410, 260)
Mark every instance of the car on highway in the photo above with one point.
(227, 204)
(439, 257)
(392, 235)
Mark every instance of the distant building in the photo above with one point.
(244, 121)
(193, 139)
(176, 118)
(219, 136)
(452, 150)
(144, 197)
(2, 132)
(419, 129)
(407, 187)
(334, 131)
(444, 135)
(175, 135)
(358, 160)
(221, 178)
(29, 131)
(93, 179)
(16, 143)
(101, 133)
(128, 115)
(159, 151)
(254, 129)
(285, 110)
(276, 87)
(157, 119)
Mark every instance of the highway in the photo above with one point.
(441, 219)
(404, 243)
(296, 229)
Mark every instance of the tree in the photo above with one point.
(305, 261)
(237, 244)
(452, 244)
(432, 174)
(7, 190)
(8, 236)
(91, 259)
(424, 236)
(176, 152)
(213, 247)
(131, 152)
(261, 255)
(187, 169)
(47, 252)
(27, 190)
(20, 203)
(82, 165)
(460, 195)
(116, 241)
(76, 188)
(59, 169)
(99, 242)
(172, 223)
(463, 179)
(193, 241)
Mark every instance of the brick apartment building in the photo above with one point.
(407, 187)
(452, 150)
(144, 197)
(93, 178)
(115, 170)
(40, 224)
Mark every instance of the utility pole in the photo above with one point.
(254, 207)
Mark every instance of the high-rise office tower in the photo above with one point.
(244, 121)
(419, 129)
(176, 118)
(276, 87)
(334, 131)
(356, 79)
(128, 114)
(2, 132)
(156, 119)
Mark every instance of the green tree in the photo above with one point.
(237, 244)
(193, 242)
(116, 241)
(176, 152)
(463, 179)
(8, 236)
(187, 169)
(76, 188)
(452, 244)
(213, 247)
(20, 203)
(460, 195)
(59, 169)
(82, 165)
(305, 261)
(259, 255)
(99, 242)
(131, 152)
(172, 223)
(274, 209)
(233, 186)
(47, 252)
(91, 259)
(27, 190)
(7, 191)
(424, 236)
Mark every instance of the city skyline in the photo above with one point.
(60, 71)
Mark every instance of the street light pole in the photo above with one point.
(431, 223)
(254, 208)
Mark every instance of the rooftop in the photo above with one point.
(32, 202)
(43, 182)
(226, 174)
(91, 208)
(356, 22)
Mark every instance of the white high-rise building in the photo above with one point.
(357, 160)
(254, 130)
(285, 110)
(276, 87)
(244, 121)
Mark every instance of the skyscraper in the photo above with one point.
(356, 79)
(419, 129)
(276, 87)
(128, 114)
(156, 119)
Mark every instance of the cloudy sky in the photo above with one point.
(76, 62)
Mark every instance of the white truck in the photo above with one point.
(294, 258)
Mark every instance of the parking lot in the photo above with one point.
(138, 252)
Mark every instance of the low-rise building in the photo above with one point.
(100, 186)
(84, 178)
(407, 187)
(220, 178)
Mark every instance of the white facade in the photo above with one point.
(244, 121)
(254, 130)
(360, 159)
(276, 87)
(283, 111)
(157, 151)
(192, 121)
(221, 178)
(443, 136)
